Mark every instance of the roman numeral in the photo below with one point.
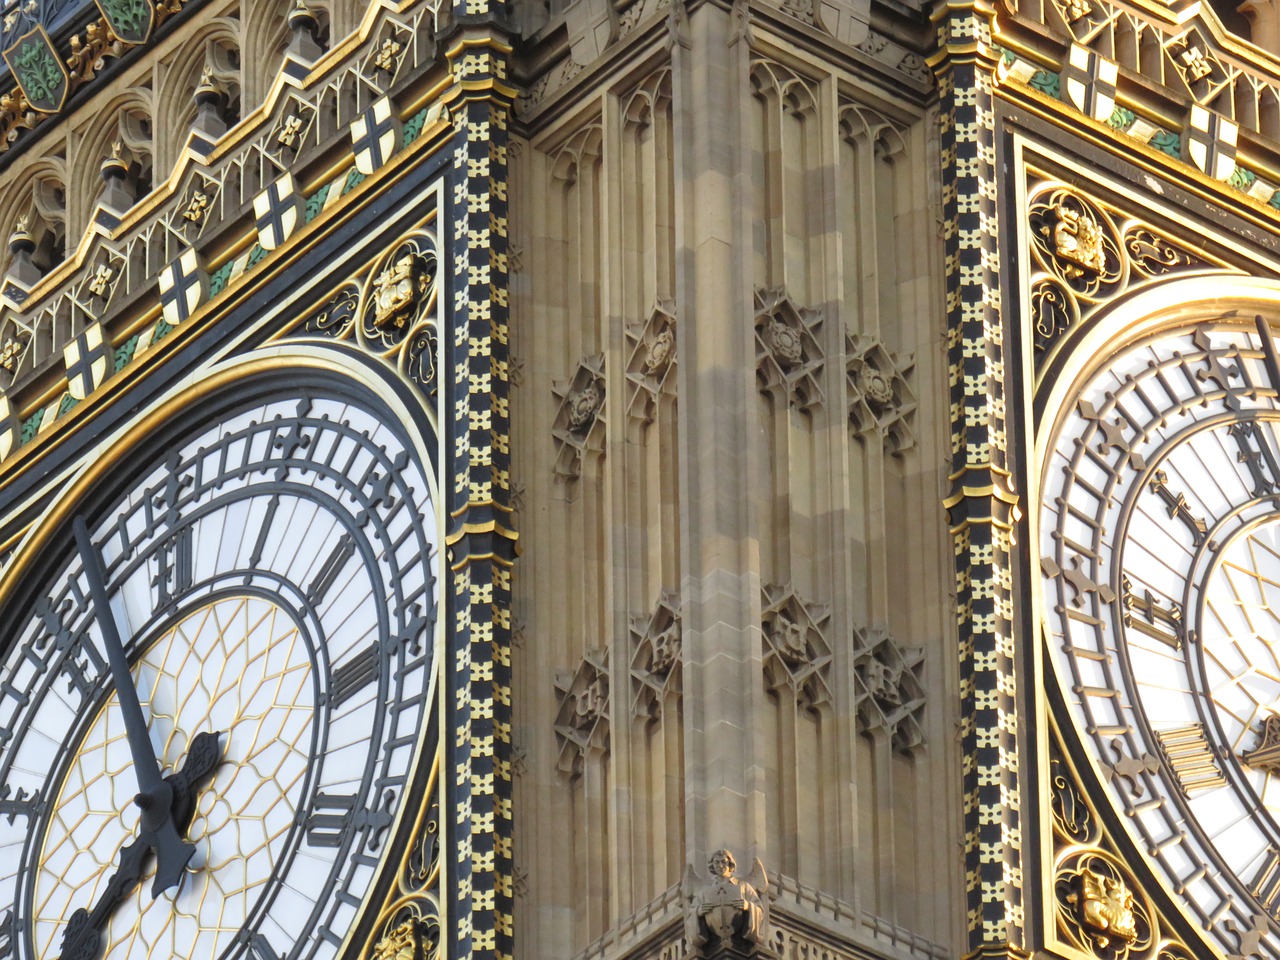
(1258, 455)
(341, 553)
(1191, 758)
(174, 563)
(1145, 614)
(353, 676)
(334, 818)
(1266, 884)
(330, 828)
(20, 804)
(260, 544)
(1176, 503)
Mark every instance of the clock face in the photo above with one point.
(1160, 555)
(272, 580)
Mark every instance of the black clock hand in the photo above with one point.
(82, 940)
(155, 794)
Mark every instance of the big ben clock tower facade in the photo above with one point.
(639, 479)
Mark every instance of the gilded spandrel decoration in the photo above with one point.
(1100, 909)
(409, 926)
(390, 310)
(1084, 253)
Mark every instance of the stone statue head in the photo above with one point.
(722, 864)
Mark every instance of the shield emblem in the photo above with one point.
(184, 285)
(1211, 142)
(375, 134)
(39, 71)
(1090, 82)
(130, 20)
(88, 358)
(277, 211)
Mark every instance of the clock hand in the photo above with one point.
(82, 939)
(155, 794)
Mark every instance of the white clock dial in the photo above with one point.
(1160, 551)
(272, 580)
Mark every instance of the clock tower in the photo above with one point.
(639, 479)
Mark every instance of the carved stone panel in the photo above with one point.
(788, 357)
(656, 656)
(580, 418)
(797, 654)
(889, 687)
(881, 400)
(582, 720)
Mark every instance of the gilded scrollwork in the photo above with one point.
(390, 309)
(1073, 820)
(1084, 253)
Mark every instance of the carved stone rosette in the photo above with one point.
(582, 720)
(788, 358)
(651, 361)
(656, 656)
(797, 653)
(881, 401)
(579, 422)
(889, 688)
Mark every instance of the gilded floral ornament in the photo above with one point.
(390, 309)
(1073, 819)
(1264, 756)
(1084, 253)
(1077, 240)
(582, 719)
(579, 423)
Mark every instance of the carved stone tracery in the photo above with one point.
(797, 654)
(579, 422)
(881, 400)
(582, 718)
(788, 357)
(656, 656)
(1084, 253)
(651, 361)
(889, 688)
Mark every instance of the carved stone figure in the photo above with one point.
(727, 915)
